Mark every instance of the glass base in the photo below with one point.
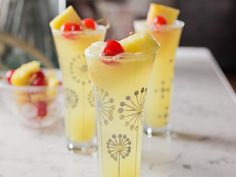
(160, 132)
(86, 148)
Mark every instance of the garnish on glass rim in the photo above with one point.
(89, 23)
(69, 28)
(112, 48)
(159, 21)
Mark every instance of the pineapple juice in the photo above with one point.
(161, 80)
(80, 111)
(120, 93)
(160, 85)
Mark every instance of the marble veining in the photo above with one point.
(203, 142)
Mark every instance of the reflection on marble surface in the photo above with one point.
(203, 142)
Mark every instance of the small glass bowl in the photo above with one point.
(36, 106)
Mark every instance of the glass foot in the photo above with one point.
(87, 148)
(160, 132)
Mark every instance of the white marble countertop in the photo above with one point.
(203, 114)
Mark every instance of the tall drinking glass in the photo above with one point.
(120, 89)
(158, 103)
(80, 110)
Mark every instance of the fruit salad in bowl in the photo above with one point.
(32, 94)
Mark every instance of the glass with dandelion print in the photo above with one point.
(160, 86)
(163, 25)
(120, 90)
(80, 121)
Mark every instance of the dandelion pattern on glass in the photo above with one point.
(91, 99)
(163, 90)
(119, 147)
(79, 70)
(132, 109)
(71, 98)
(105, 106)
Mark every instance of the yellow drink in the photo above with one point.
(160, 84)
(80, 111)
(120, 93)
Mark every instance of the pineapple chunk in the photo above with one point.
(69, 15)
(53, 84)
(169, 13)
(38, 96)
(22, 98)
(22, 74)
(140, 42)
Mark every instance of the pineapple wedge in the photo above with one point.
(53, 84)
(69, 15)
(140, 42)
(22, 74)
(169, 13)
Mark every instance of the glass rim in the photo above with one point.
(126, 57)
(122, 57)
(176, 25)
(5, 86)
(100, 29)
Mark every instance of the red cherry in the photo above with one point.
(9, 75)
(89, 23)
(38, 74)
(41, 109)
(70, 27)
(112, 48)
(160, 20)
(38, 82)
(38, 79)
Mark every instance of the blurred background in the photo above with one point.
(25, 34)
